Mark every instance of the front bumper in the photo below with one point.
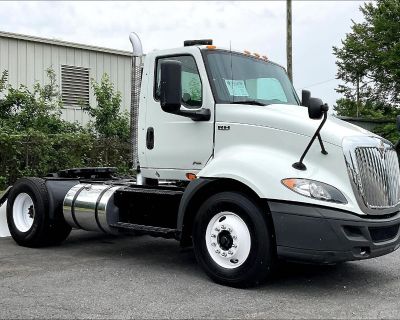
(325, 235)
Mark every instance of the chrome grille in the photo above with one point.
(379, 173)
(374, 170)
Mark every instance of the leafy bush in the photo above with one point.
(37, 154)
(35, 141)
(388, 131)
(38, 109)
(372, 111)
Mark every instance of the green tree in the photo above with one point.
(367, 109)
(369, 62)
(110, 125)
(369, 65)
(108, 121)
(3, 81)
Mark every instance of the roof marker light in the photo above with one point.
(211, 47)
(246, 52)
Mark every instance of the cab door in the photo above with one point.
(177, 144)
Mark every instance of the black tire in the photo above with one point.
(43, 232)
(262, 256)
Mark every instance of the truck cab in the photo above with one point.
(180, 145)
(230, 161)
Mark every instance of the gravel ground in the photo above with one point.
(97, 276)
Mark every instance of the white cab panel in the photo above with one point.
(290, 118)
(260, 155)
(179, 142)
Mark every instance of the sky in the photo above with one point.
(255, 26)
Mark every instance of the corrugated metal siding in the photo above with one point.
(27, 61)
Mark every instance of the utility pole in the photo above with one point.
(358, 96)
(289, 39)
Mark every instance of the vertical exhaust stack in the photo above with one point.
(137, 53)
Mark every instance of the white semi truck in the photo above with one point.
(231, 162)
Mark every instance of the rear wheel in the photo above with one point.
(23, 212)
(28, 215)
(232, 241)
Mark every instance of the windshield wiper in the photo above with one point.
(253, 102)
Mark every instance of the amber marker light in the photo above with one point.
(256, 54)
(290, 183)
(246, 52)
(191, 176)
(211, 47)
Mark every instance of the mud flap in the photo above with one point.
(4, 232)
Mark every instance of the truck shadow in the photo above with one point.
(166, 255)
(292, 273)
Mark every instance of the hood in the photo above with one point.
(291, 118)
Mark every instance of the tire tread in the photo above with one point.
(261, 260)
(44, 232)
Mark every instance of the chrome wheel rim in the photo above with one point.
(23, 212)
(228, 240)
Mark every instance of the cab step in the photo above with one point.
(150, 230)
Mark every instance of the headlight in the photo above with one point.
(314, 189)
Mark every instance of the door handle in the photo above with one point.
(150, 138)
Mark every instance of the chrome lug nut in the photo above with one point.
(223, 254)
(213, 236)
(223, 227)
(213, 244)
(230, 252)
(217, 229)
(217, 251)
(234, 246)
(234, 238)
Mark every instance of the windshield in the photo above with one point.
(237, 78)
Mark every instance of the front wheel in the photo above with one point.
(232, 240)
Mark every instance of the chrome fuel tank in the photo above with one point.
(91, 207)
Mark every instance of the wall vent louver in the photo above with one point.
(74, 85)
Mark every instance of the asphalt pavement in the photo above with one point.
(97, 276)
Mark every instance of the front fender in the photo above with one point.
(262, 169)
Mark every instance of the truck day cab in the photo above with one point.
(231, 162)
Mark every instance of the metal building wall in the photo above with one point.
(27, 61)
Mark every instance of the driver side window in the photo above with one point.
(192, 90)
